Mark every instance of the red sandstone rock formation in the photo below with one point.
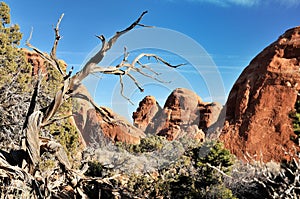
(147, 109)
(38, 62)
(258, 106)
(184, 113)
(35, 60)
(118, 129)
(96, 124)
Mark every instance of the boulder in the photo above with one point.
(258, 107)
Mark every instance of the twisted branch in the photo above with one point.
(91, 64)
(57, 38)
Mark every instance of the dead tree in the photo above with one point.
(37, 119)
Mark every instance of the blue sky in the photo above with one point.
(232, 32)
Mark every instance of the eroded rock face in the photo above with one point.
(147, 109)
(184, 113)
(35, 60)
(258, 106)
(102, 124)
(117, 128)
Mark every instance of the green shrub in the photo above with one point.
(200, 180)
(188, 177)
(148, 144)
(67, 136)
(12, 59)
(15, 82)
(95, 169)
(216, 156)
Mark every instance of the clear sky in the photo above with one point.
(232, 32)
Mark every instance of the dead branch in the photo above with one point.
(91, 64)
(50, 111)
(57, 38)
(122, 90)
(91, 67)
(218, 170)
(52, 59)
(136, 65)
(33, 99)
(56, 149)
(16, 173)
(55, 120)
(278, 181)
(32, 138)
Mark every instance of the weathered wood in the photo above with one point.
(57, 149)
(32, 137)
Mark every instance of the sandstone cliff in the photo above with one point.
(258, 106)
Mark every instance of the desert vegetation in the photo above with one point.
(42, 153)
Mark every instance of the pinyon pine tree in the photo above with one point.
(15, 81)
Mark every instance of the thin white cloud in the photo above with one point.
(289, 3)
(249, 3)
(227, 3)
(244, 2)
